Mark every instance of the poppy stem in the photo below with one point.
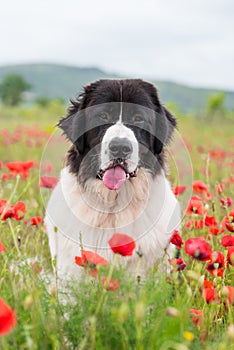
(14, 237)
(102, 299)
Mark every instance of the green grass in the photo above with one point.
(148, 314)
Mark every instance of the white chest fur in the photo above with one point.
(144, 209)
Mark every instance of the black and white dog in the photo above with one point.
(114, 179)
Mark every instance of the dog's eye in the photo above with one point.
(104, 116)
(138, 118)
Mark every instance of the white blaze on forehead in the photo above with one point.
(121, 131)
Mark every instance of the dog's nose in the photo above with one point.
(120, 147)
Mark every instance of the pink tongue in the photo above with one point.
(114, 178)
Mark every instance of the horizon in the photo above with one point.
(120, 75)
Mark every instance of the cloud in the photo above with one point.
(187, 41)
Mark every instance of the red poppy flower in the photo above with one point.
(230, 255)
(1, 165)
(178, 263)
(216, 266)
(223, 224)
(198, 248)
(230, 221)
(198, 317)
(226, 202)
(231, 179)
(36, 220)
(208, 284)
(230, 294)
(199, 187)
(48, 181)
(122, 244)
(176, 239)
(19, 167)
(110, 285)
(19, 210)
(7, 318)
(195, 206)
(2, 248)
(179, 190)
(214, 231)
(210, 294)
(210, 221)
(227, 241)
(197, 224)
(48, 167)
(16, 211)
(90, 260)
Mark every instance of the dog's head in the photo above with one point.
(117, 126)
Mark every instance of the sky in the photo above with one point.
(186, 41)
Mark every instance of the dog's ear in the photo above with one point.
(165, 122)
(73, 126)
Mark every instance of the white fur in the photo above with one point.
(121, 131)
(143, 208)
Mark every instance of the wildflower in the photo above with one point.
(210, 221)
(176, 239)
(47, 167)
(36, 220)
(7, 176)
(214, 231)
(122, 244)
(48, 181)
(178, 263)
(216, 266)
(16, 211)
(90, 260)
(189, 336)
(208, 284)
(197, 224)
(2, 248)
(109, 284)
(210, 294)
(230, 296)
(226, 202)
(199, 187)
(227, 241)
(230, 255)
(179, 190)
(195, 206)
(7, 318)
(198, 248)
(230, 222)
(20, 168)
(198, 317)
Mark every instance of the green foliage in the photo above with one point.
(12, 88)
(53, 80)
(216, 105)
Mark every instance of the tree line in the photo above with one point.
(13, 87)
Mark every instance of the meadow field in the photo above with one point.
(192, 307)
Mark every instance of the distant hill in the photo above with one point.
(53, 80)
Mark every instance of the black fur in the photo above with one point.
(82, 126)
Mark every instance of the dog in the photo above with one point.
(114, 179)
